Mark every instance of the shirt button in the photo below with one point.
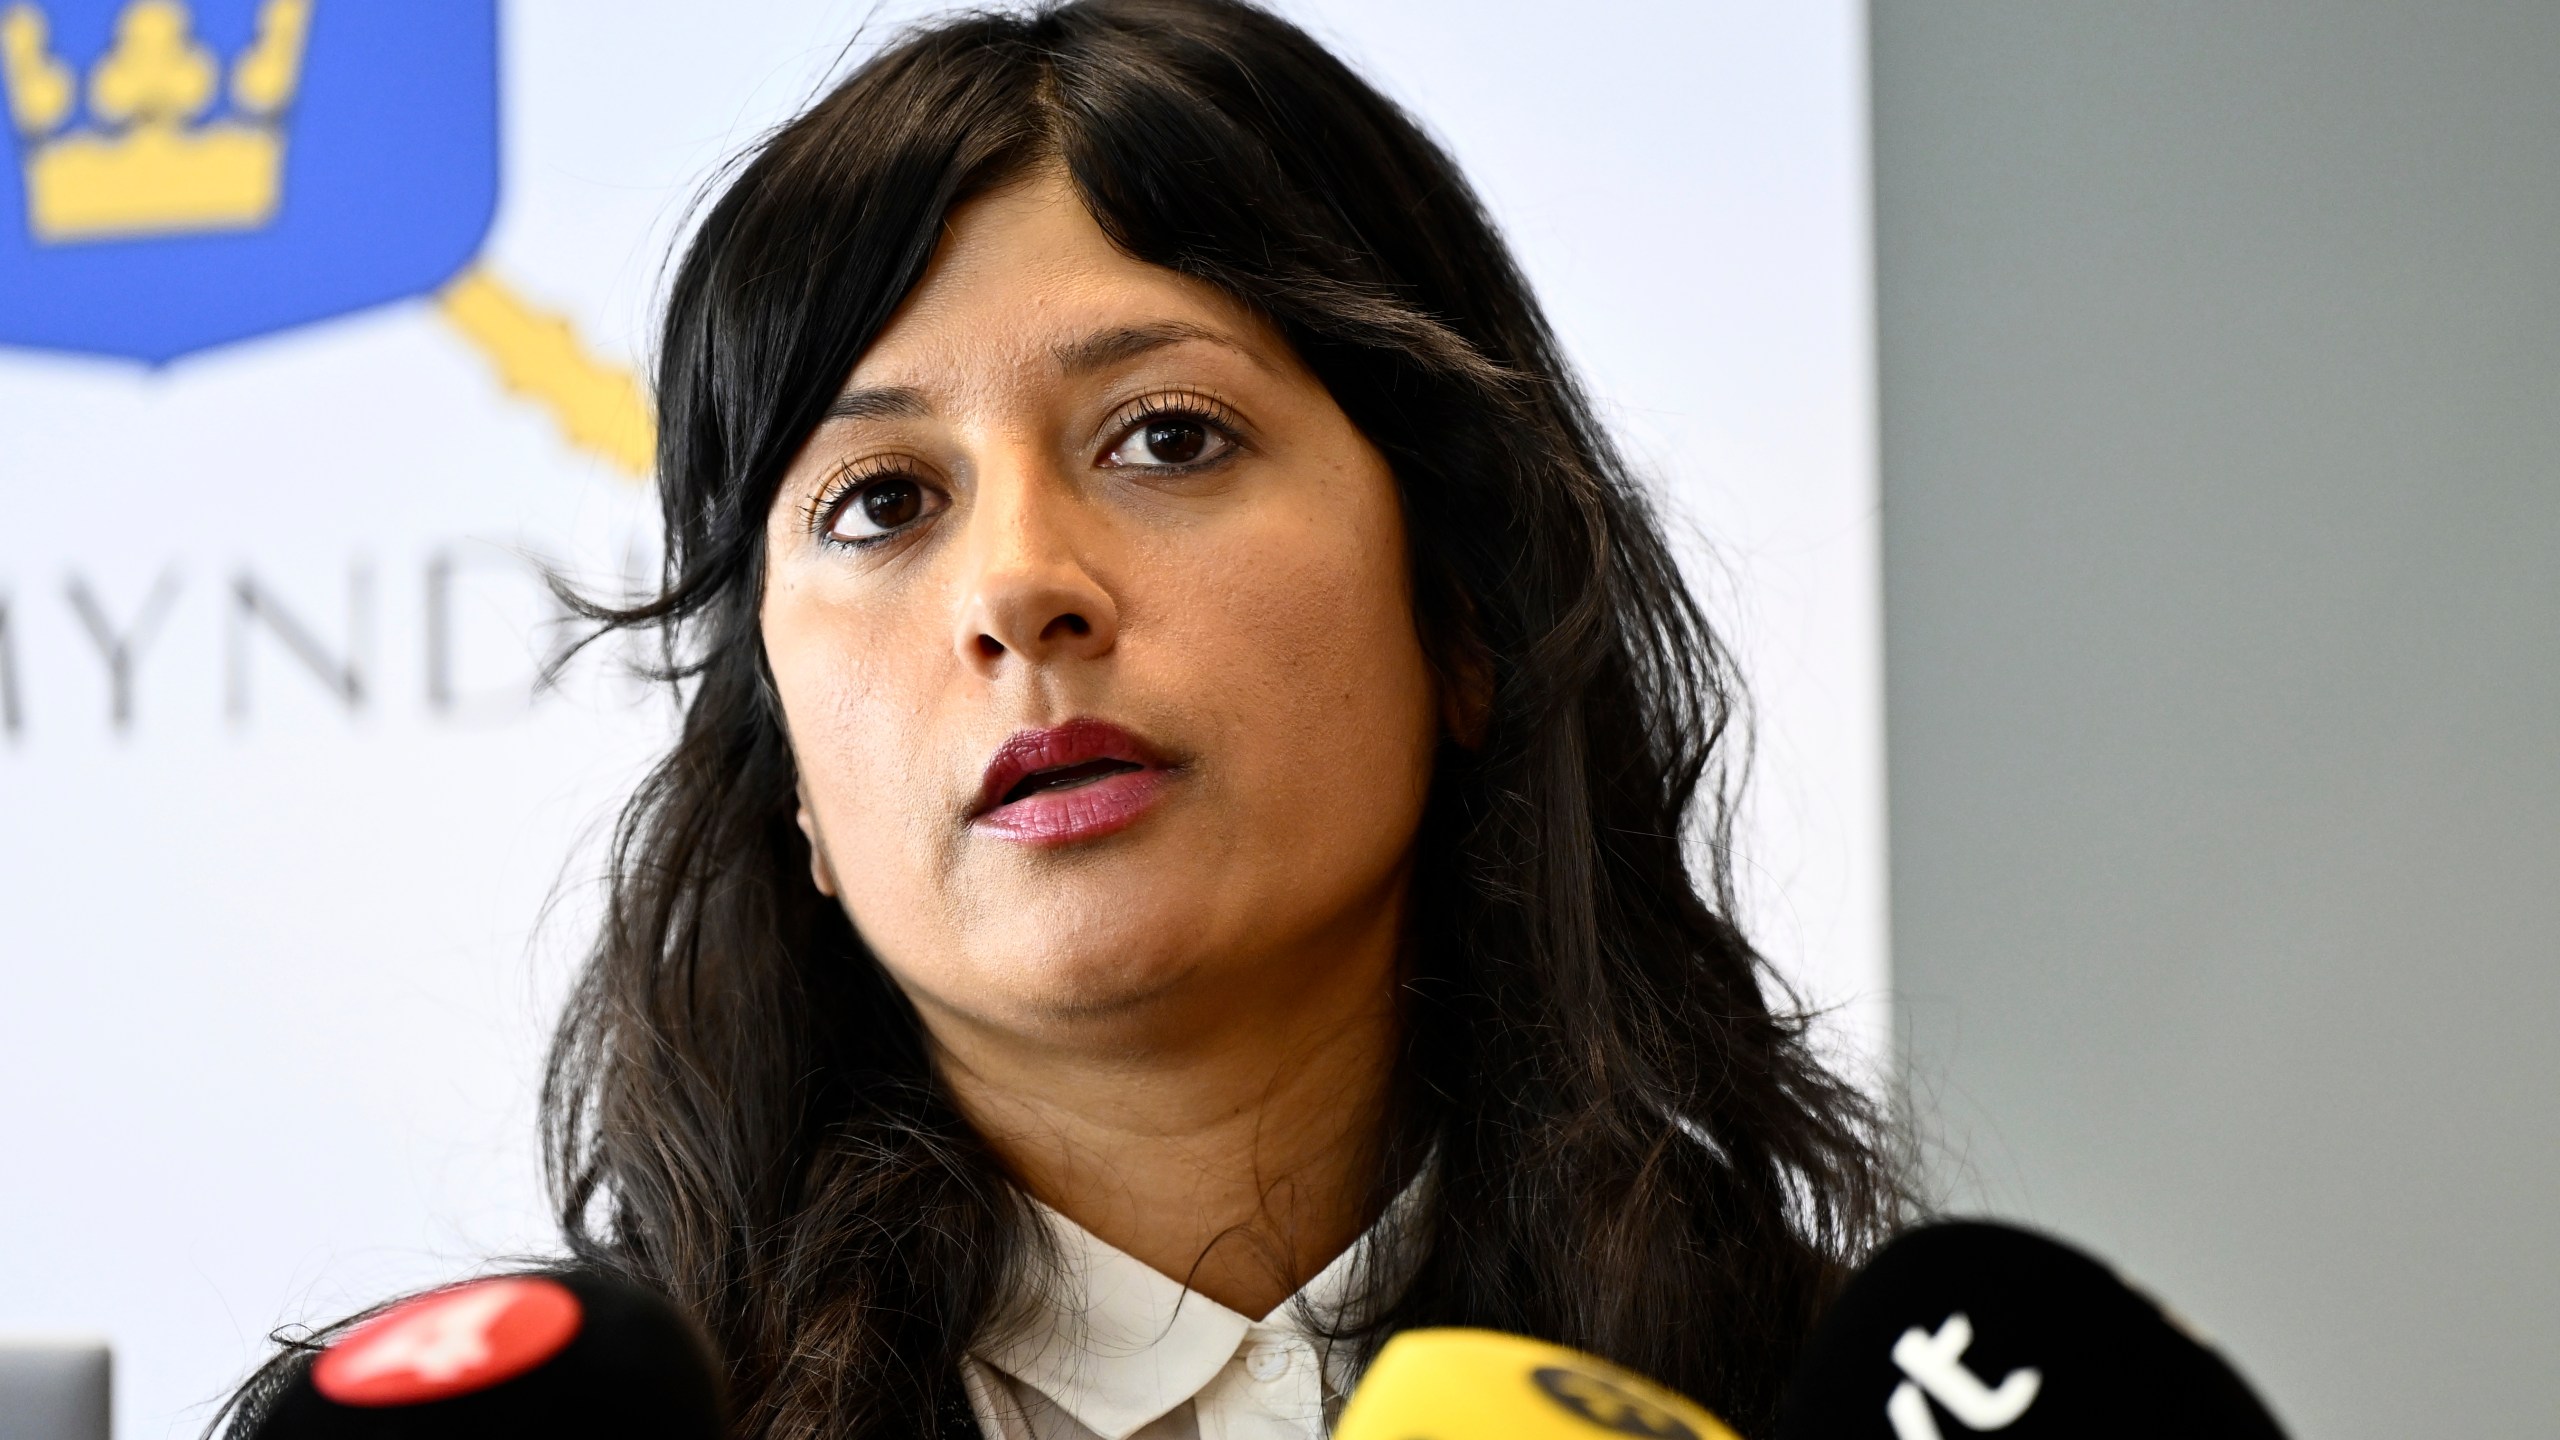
(1266, 1362)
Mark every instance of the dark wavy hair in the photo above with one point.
(1637, 1154)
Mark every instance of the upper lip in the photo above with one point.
(1077, 742)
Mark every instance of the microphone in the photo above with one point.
(1970, 1328)
(1454, 1384)
(561, 1355)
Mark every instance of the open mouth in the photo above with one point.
(1076, 781)
(1067, 777)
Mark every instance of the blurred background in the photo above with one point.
(2135, 423)
(2220, 358)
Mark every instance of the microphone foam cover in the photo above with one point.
(1455, 1384)
(1969, 1328)
(561, 1355)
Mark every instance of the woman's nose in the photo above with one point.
(1031, 593)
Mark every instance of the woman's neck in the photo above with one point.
(1227, 1144)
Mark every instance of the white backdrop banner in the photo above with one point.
(319, 323)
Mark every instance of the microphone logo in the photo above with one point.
(1935, 1365)
(450, 1343)
(1609, 1405)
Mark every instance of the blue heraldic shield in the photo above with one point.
(181, 175)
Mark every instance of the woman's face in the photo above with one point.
(1091, 621)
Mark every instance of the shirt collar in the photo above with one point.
(1116, 1345)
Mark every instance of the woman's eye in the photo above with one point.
(1169, 441)
(880, 507)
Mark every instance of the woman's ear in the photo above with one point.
(1466, 692)
(821, 873)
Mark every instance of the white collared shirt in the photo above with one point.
(1116, 1350)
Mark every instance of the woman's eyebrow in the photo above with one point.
(883, 402)
(1105, 348)
(1099, 350)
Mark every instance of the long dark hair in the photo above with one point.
(1635, 1152)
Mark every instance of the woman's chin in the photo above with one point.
(1086, 969)
(1067, 998)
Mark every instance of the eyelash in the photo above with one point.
(1192, 405)
(850, 482)
(1204, 410)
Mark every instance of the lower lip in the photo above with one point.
(1087, 812)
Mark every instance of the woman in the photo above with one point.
(1173, 867)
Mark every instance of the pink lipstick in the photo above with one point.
(1078, 781)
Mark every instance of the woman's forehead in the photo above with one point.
(1026, 286)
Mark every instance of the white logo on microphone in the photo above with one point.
(437, 1343)
(1935, 1364)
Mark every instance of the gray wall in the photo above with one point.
(2220, 351)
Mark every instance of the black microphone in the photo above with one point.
(560, 1355)
(1969, 1328)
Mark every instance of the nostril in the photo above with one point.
(989, 647)
(1073, 624)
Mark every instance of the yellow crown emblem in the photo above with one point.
(153, 163)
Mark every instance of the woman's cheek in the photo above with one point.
(1315, 660)
(870, 781)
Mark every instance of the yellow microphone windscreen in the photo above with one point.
(1485, 1385)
